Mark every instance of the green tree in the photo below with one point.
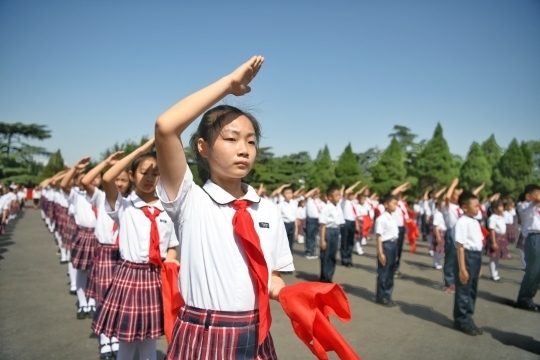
(475, 170)
(534, 147)
(128, 146)
(54, 165)
(492, 151)
(512, 172)
(322, 173)
(347, 169)
(435, 166)
(390, 169)
(367, 160)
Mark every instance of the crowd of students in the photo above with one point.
(121, 223)
(12, 199)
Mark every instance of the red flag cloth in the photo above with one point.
(377, 211)
(486, 234)
(154, 256)
(367, 225)
(245, 230)
(412, 234)
(172, 299)
(308, 305)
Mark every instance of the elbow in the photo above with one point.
(161, 127)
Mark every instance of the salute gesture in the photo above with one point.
(114, 157)
(242, 76)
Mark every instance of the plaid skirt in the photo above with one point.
(106, 258)
(69, 232)
(132, 308)
(61, 221)
(510, 233)
(502, 251)
(83, 248)
(302, 227)
(358, 235)
(218, 335)
(434, 246)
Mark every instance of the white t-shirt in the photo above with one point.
(386, 227)
(438, 220)
(288, 210)
(313, 208)
(82, 210)
(36, 194)
(349, 210)
(301, 213)
(530, 218)
(215, 274)
(468, 233)
(497, 223)
(508, 217)
(332, 216)
(452, 213)
(104, 224)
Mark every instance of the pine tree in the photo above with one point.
(492, 151)
(435, 166)
(347, 168)
(475, 170)
(513, 171)
(322, 173)
(390, 169)
(54, 165)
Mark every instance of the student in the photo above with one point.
(330, 220)
(469, 242)
(350, 226)
(106, 256)
(509, 214)
(36, 197)
(530, 214)
(452, 212)
(400, 216)
(437, 238)
(231, 238)
(387, 233)
(288, 207)
(363, 221)
(132, 308)
(313, 210)
(497, 245)
(301, 221)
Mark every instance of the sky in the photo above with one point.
(99, 72)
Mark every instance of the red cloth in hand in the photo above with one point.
(245, 230)
(308, 305)
(172, 299)
(367, 225)
(412, 234)
(154, 256)
(486, 234)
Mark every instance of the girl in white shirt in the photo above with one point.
(132, 308)
(234, 244)
(508, 214)
(301, 221)
(497, 244)
(437, 237)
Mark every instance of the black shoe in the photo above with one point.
(385, 302)
(478, 330)
(72, 292)
(81, 314)
(529, 306)
(63, 262)
(469, 330)
(107, 356)
(349, 265)
(90, 314)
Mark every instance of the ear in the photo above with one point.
(203, 148)
(131, 177)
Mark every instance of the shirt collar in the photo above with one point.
(140, 203)
(221, 197)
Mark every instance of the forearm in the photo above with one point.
(380, 245)
(64, 184)
(461, 257)
(323, 233)
(86, 181)
(171, 254)
(493, 237)
(276, 284)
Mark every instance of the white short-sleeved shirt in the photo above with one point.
(497, 223)
(21, 195)
(361, 210)
(301, 213)
(134, 228)
(427, 208)
(508, 217)
(104, 224)
(332, 216)
(82, 210)
(418, 208)
(4, 205)
(215, 273)
(468, 233)
(452, 213)
(349, 210)
(36, 194)
(288, 210)
(313, 208)
(386, 227)
(438, 220)
(530, 218)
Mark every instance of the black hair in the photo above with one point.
(135, 164)
(331, 189)
(388, 197)
(465, 198)
(531, 188)
(210, 123)
(495, 205)
(285, 189)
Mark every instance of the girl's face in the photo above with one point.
(97, 181)
(145, 176)
(499, 209)
(233, 151)
(122, 182)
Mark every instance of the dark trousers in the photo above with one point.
(450, 259)
(385, 274)
(289, 229)
(531, 279)
(328, 255)
(400, 239)
(422, 226)
(347, 241)
(312, 228)
(465, 295)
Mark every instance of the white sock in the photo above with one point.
(358, 247)
(147, 350)
(126, 350)
(92, 302)
(493, 267)
(43, 214)
(104, 344)
(72, 276)
(82, 278)
(364, 241)
(523, 258)
(436, 259)
(114, 343)
(63, 251)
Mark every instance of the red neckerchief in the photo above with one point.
(154, 253)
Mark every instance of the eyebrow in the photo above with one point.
(236, 132)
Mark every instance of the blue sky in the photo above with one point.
(97, 72)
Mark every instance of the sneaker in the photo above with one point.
(385, 303)
(311, 257)
(529, 306)
(431, 252)
(438, 267)
(397, 274)
(478, 330)
(449, 289)
(364, 241)
(496, 279)
(468, 330)
(81, 314)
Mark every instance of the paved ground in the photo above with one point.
(37, 315)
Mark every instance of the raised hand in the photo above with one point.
(147, 146)
(113, 158)
(243, 75)
(82, 163)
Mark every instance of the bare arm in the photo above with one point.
(351, 188)
(450, 190)
(276, 284)
(478, 189)
(86, 181)
(401, 188)
(297, 192)
(172, 123)
(362, 189)
(79, 166)
(310, 193)
(323, 236)
(440, 192)
(463, 273)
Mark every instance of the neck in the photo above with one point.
(232, 186)
(148, 198)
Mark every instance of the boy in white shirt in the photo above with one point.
(469, 242)
(288, 208)
(387, 233)
(330, 220)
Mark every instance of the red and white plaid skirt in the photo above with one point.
(502, 251)
(61, 222)
(132, 309)
(218, 335)
(510, 233)
(69, 232)
(83, 248)
(106, 258)
(433, 245)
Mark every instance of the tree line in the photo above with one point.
(424, 163)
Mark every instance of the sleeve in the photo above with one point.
(119, 208)
(176, 208)
(284, 258)
(461, 232)
(492, 223)
(379, 226)
(173, 240)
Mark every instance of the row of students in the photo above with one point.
(12, 199)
